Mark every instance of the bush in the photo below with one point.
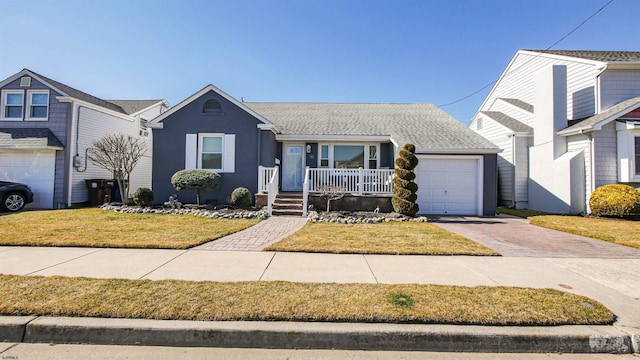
(404, 189)
(195, 179)
(143, 197)
(241, 197)
(614, 200)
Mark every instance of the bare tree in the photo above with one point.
(331, 192)
(118, 153)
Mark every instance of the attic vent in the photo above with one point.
(25, 81)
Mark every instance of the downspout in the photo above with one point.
(513, 158)
(75, 117)
(592, 170)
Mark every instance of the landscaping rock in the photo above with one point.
(345, 217)
(221, 213)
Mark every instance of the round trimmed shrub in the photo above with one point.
(404, 189)
(614, 200)
(241, 197)
(143, 197)
(195, 179)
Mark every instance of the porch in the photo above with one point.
(357, 185)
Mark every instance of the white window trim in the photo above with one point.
(27, 111)
(366, 153)
(627, 133)
(201, 137)
(4, 104)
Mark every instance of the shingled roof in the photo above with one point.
(424, 125)
(133, 106)
(615, 111)
(605, 56)
(508, 122)
(29, 138)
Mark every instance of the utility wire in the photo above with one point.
(552, 45)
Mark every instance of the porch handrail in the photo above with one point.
(274, 184)
(356, 181)
(264, 177)
(305, 191)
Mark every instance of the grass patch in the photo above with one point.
(403, 238)
(286, 301)
(97, 228)
(523, 213)
(622, 232)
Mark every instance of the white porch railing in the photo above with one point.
(272, 189)
(355, 181)
(264, 177)
(351, 181)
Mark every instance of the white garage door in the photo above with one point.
(449, 186)
(35, 168)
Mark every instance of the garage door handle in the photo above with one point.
(445, 192)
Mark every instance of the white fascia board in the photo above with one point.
(155, 126)
(18, 147)
(204, 90)
(598, 125)
(334, 138)
(163, 102)
(266, 126)
(91, 106)
(457, 151)
(620, 65)
(26, 72)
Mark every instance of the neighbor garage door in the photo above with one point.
(35, 168)
(449, 185)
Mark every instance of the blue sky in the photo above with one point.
(304, 50)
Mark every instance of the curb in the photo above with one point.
(302, 335)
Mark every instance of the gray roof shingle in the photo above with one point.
(28, 138)
(597, 55)
(589, 122)
(519, 103)
(508, 122)
(424, 125)
(133, 106)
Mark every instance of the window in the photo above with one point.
(348, 156)
(212, 106)
(637, 140)
(324, 156)
(38, 104)
(373, 157)
(211, 152)
(12, 104)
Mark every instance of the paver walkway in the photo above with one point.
(517, 237)
(258, 236)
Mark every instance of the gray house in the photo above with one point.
(46, 127)
(303, 148)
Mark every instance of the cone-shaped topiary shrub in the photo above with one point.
(404, 189)
(614, 200)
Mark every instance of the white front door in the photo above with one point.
(293, 167)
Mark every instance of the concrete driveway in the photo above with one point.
(515, 237)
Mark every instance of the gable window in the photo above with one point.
(12, 104)
(210, 157)
(637, 140)
(38, 104)
(212, 106)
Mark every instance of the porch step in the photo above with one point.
(287, 204)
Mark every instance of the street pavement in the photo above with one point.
(602, 276)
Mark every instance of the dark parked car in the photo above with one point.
(14, 196)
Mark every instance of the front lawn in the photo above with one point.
(286, 301)
(622, 232)
(97, 228)
(402, 238)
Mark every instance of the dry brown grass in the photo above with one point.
(383, 238)
(97, 228)
(285, 301)
(622, 232)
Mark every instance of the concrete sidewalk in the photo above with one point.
(613, 282)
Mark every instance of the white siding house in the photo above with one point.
(574, 123)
